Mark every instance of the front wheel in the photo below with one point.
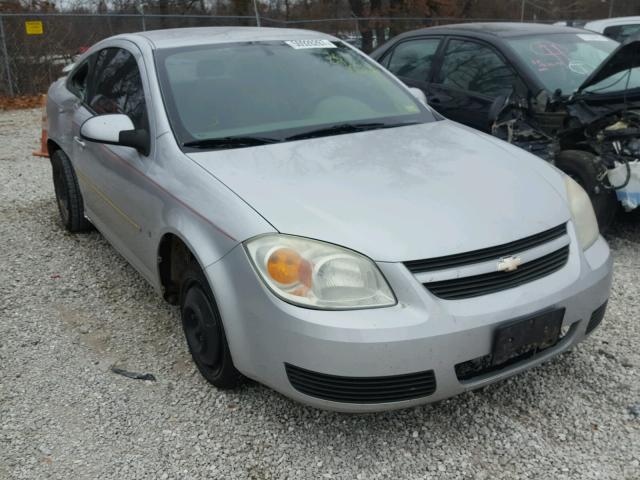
(204, 331)
(583, 168)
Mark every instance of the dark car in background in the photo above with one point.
(567, 95)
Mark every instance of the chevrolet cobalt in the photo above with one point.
(323, 230)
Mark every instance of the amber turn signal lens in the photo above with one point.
(284, 266)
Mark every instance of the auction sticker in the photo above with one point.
(312, 43)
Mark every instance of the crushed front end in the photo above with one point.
(608, 131)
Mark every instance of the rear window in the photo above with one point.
(77, 83)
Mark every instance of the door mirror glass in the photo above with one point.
(419, 94)
(115, 129)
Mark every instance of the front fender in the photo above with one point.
(196, 207)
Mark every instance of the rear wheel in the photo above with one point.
(204, 331)
(68, 196)
(584, 169)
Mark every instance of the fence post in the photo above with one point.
(140, 7)
(6, 56)
(255, 9)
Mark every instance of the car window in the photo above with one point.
(277, 89)
(77, 83)
(413, 58)
(563, 61)
(117, 86)
(621, 32)
(474, 67)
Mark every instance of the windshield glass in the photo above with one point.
(277, 90)
(565, 60)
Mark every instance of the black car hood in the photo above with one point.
(626, 56)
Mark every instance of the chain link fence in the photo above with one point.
(32, 55)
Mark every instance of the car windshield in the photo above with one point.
(245, 94)
(565, 60)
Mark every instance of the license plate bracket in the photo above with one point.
(526, 335)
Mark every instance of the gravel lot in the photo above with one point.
(71, 307)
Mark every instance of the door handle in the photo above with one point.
(79, 142)
(435, 101)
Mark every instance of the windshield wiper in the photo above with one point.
(230, 142)
(345, 128)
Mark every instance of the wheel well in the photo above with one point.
(174, 257)
(52, 147)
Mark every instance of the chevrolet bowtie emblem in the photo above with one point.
(509, 264)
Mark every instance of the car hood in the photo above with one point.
(397, 194)
(622, 58)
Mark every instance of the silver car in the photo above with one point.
(323, 231)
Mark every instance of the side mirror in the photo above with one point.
(115, 129)
(419, 94)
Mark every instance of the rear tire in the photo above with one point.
(204, 331)
(583, 168)
(68, 196)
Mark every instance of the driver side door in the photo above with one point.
(113, 176)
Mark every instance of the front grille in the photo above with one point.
(486, 283)
(485, 254)
(393, 388)
(596, 318)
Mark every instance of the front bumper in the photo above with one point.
(420, 333)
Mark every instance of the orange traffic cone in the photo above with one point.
(43, 137)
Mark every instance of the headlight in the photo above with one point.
(318, 275)
(584, 218)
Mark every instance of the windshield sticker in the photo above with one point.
(592, 37)
(304, 44)
(580, 68)
(549, 55)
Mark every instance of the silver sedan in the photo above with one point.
(323, 230)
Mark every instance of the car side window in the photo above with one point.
(476, 68)
(413, 58)
(116, 86)
(621, 32)
(77, 83)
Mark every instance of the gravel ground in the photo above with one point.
(71, 307)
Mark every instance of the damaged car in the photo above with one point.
(566, 95)
(321, 229)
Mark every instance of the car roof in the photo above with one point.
(182, 37)
(499, 29)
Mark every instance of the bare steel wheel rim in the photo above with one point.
(203, 331)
